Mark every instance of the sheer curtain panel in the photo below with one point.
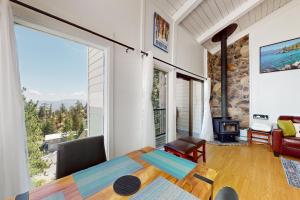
(207, 132)
(13, 163)
(148, 132)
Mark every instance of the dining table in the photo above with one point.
(198, 187)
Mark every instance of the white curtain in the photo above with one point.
(148, 130)
(207, 132)
(13, 163)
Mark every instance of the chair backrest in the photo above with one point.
(227, 193)
(295, 119)
(79, 154)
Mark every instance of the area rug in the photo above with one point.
(292, 171)
(238, 143)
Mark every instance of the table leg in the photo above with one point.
(204, 153)
(195, 155)
(249, 134)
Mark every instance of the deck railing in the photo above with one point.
(160, 126)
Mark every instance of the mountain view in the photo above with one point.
(56, 105)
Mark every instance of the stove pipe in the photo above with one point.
(222, 37)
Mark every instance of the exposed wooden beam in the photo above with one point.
(233, 16)
(185, 10)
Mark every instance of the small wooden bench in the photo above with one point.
(200, 143)
(187, 147)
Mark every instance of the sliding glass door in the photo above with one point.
(159, 102)
(189, 106)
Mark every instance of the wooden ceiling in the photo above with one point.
(204, 18)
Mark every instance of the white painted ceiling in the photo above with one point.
(170, 6)
(210, 16)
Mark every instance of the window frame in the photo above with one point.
(57, 29)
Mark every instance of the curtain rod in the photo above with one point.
(95, 33)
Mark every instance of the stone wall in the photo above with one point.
(238, 81)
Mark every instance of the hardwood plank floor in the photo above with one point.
(252, 171)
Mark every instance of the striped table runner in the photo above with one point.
(171, 164)
(55, 196)
(160, 189)
(98, 177)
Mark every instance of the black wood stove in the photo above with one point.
(225, 128)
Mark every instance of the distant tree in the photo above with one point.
(155, 100)
(50, 111)
(42, 111)
(75, 120)
(62, 108)
(34, 139)
(49, 126)
(67, 124)
(77, 114)
(155, 90)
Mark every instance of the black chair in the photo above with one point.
(79, 154)
(227, 193)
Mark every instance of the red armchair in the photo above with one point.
(286, 145)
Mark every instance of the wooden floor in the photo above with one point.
(252, 171)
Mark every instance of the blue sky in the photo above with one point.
(281, 45)
(51, 68)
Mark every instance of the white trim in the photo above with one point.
(171, 106)
(237, 13)
(185, 10)
(189, 74)
(57, 33)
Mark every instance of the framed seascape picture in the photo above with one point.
(280, 56)
(161, 31)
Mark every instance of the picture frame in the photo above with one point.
(280, 56)
(161, 32)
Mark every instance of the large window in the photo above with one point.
(63, 89)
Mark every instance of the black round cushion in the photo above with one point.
(227, 193)
(127, 185)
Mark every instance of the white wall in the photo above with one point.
(275, 93)
(188, 52)
(149, 13)
(130, 22)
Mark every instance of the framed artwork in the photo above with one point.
(280, 56)
(161, 31)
